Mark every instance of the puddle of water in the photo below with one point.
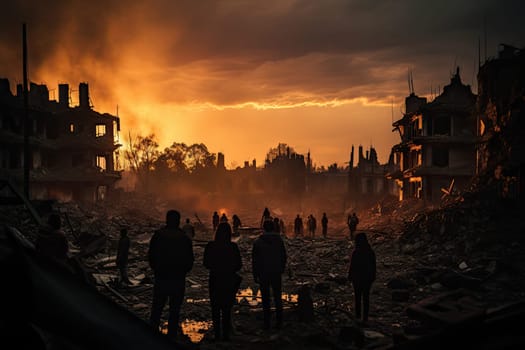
(195, 330)
(253, 297)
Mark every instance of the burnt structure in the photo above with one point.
(368, 178)
(437, 152)
(501, 121)
(73, 150)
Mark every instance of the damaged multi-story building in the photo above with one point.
(437, 152)
(501, 121)
(73, 149)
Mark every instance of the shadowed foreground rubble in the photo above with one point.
(443, 274)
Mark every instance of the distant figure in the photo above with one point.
(265, 216)
(170, 256)
(298, 226)
(276, 225)
(268, 263)
(353, 220)
(282, 226)
(188, 229)
(312, 225)
(236, 223)
(51, 240)
(224, 218)
(362, 273)
(215, 220)
(122, 256)
(223, 259)
(324, 224)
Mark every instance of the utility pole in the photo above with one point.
(27, 155)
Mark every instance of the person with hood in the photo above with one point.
(268, 263)
(362, 273)
(223, 258)
(265, 216)
(236, 224)
(170, 256)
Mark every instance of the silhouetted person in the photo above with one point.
(312, 225)
(324, 224)
(51, 240)
(224, 218)
(298, 226)
(223, 259)
(170, 256)
(265, 216)
(268, 263)
(236, 223)
(362, 273)
(188, 229)
(276, 225)
(122, 256)
(215, 221)
(353, 220)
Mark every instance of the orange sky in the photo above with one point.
(241, 76)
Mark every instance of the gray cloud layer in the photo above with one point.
(228, 52)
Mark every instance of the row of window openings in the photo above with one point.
(440, 158)
(100, 129)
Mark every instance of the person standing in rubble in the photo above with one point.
(268, 264)
(362, 273)
(52, 241)
(188, 229)
(298, 226)
(265, 216)
(223, 258)
(324, 224)
(236, 224)
(353, 220)
(122, 256)
(215, 220)
(313, 227)
(170, 256)
(224, 218)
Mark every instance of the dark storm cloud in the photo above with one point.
(229, 52)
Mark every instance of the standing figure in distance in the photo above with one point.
(215, 220)
(324, 224)
(298, 226)
(188, 229)
(122, 256)
(223, 259)
(224, 218)
(170, 256)
(268, 263)
(362, 273)
(353, 220)
(314, 225)
(236, 224)
(265, 216)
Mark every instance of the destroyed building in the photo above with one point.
(501, 120)
(368, 178)
(73, 149)
(437, 152)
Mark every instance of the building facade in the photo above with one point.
(73, 150)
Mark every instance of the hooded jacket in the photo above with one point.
(268, 256)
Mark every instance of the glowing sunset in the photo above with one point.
(242, 76)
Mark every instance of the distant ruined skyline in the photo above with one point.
(242, 76)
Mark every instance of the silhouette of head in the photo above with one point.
(361, 240)
(172, 218)
(54, 221)
(123, 232)
(268, 226)
(187, 221)
(223, 233)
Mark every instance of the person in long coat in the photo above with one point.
(362, 273)
(223, 259)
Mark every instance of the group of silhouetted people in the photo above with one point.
(171, 258)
